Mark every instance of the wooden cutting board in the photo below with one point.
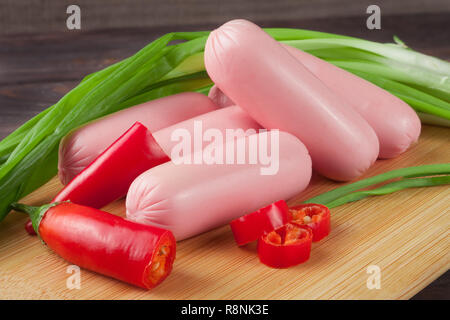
(404, 234)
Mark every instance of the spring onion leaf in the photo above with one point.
(433, 120)
(410, 172)
(390, 188)
(400, 73)
(394, 53)
(8, 144)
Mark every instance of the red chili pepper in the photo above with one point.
(286, 246)
(315, 216)
(115, 169)
(99, 241)
(250, 227)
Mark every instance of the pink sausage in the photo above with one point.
(80, 147)
(159, 148)
(232, 117)
(276, 90)
(396, 124)
(191, 199)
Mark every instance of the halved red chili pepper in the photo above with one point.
(114, 170)
(315, 216)
(102, 242)
(250, 227)
(286, 246)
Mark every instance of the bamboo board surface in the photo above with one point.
(405, 234)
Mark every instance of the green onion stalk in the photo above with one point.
(29, 155)
(410, 177)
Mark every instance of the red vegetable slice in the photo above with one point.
(315, 216)
(286, 246)
(250, 227)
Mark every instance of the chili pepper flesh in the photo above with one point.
(160, 265)
(286, 246)
(315, 216)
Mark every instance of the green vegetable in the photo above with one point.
(28, 157)
(433, 120)
(347, 193)
(8, 144)
(390, 188)
(396, 55)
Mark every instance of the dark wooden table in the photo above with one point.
(37, 70)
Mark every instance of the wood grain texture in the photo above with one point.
(43, 16)
(405, 234)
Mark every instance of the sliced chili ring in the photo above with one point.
(315, 216)
(251, 226)
(286, 246)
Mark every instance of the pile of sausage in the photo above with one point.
(330, 121)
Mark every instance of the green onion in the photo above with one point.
(34, 160)
(404, 74)
(395, 53)
(8, 144)
(28, 156)
(433, 120)
(390, 188)
(410, 172)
